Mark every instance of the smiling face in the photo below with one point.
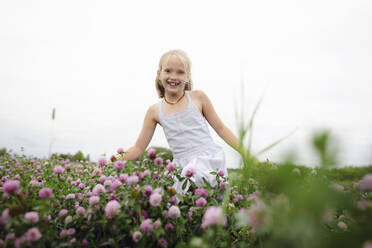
(173, 75)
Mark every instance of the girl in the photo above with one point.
(183, 113)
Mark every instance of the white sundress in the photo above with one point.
(192, 146)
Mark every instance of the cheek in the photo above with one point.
(162, 77)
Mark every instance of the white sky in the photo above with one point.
(96, 62)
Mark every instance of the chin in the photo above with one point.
(174, 90)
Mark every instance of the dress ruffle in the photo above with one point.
(212, 159)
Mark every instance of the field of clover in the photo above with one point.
(58, 203)
(63, 203)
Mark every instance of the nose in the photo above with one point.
(173, 76)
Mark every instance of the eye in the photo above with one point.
(181, 72)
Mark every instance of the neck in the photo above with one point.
(172, 97)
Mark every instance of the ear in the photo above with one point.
(158, 72)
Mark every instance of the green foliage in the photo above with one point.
(293, 206)
(303, 207)
(78, 156)
(347, 176)
(3, 151)
(325, 147)
(348, 173)
(76, 184)
(165, 153)
(265, 204)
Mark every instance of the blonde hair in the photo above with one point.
(187, 64)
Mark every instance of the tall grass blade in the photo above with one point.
(250, 124)
(275, 143)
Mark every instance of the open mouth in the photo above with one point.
(173, 83)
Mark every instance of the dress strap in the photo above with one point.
(160, 112)
(191, 104)
(188, 95)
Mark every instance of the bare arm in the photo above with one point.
(144, 138)
(223, 131)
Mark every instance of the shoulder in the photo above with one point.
(199, 94)
(153, 107)
(153, 111)
(200, 99)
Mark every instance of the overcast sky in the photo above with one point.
(96, 62)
